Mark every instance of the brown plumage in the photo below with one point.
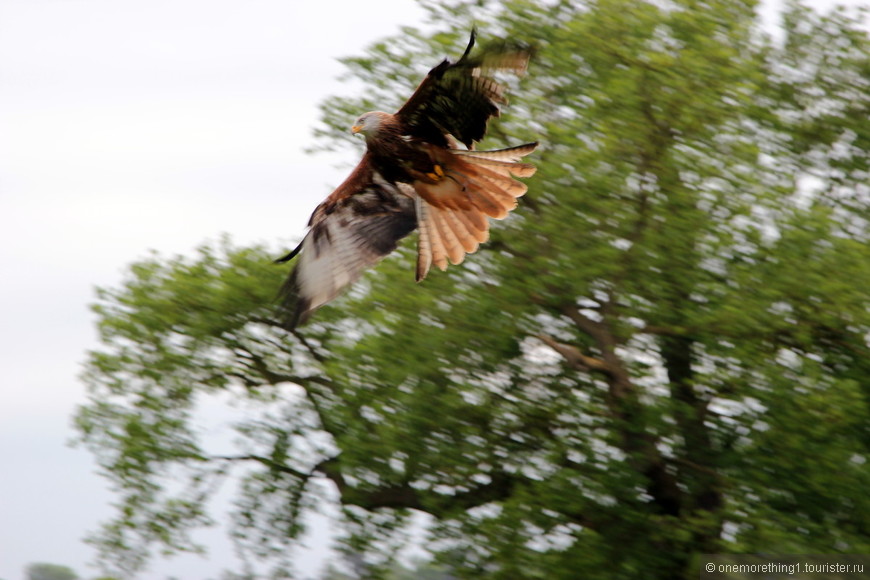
(415, 174)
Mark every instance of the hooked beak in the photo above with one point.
(356, 129)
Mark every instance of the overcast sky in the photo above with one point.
(128, 126)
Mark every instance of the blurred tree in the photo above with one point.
(663, 353)
(420, 570)
(331, 572)
(43, 571)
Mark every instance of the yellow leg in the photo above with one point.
(437, 173)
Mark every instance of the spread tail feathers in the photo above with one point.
(452, 212)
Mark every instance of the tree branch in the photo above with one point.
(622, 402)
(404, 496)
(575, 359)
(295, 332)
(267, 461)
(258, 364)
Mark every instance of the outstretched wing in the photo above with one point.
(359, 224)
(459, 98)
(453, 210)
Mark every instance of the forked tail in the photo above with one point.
(454, 205)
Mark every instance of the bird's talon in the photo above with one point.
(436, 174)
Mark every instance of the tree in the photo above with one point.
(664, 353)
(420, 570)
(43, 571)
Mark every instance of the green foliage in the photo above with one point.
(663, 352)
(420, 570)
(43, 571)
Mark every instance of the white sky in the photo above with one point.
(127, 126)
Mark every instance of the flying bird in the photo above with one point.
(420, 171)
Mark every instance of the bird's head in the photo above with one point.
(369, 123)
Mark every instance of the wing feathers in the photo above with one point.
(448, 238)
(503, 158)
(345, 238)
(452, 214)
(467, 236)
(424, 243)
(430, 249)
(444, 234)
(475, 224)
(458, 98)
(502, 186)
(489, 199)
(516, 61)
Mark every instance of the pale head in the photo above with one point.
(369, 123)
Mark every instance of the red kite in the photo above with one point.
(415, 173)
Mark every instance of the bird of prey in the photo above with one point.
(420, 171)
